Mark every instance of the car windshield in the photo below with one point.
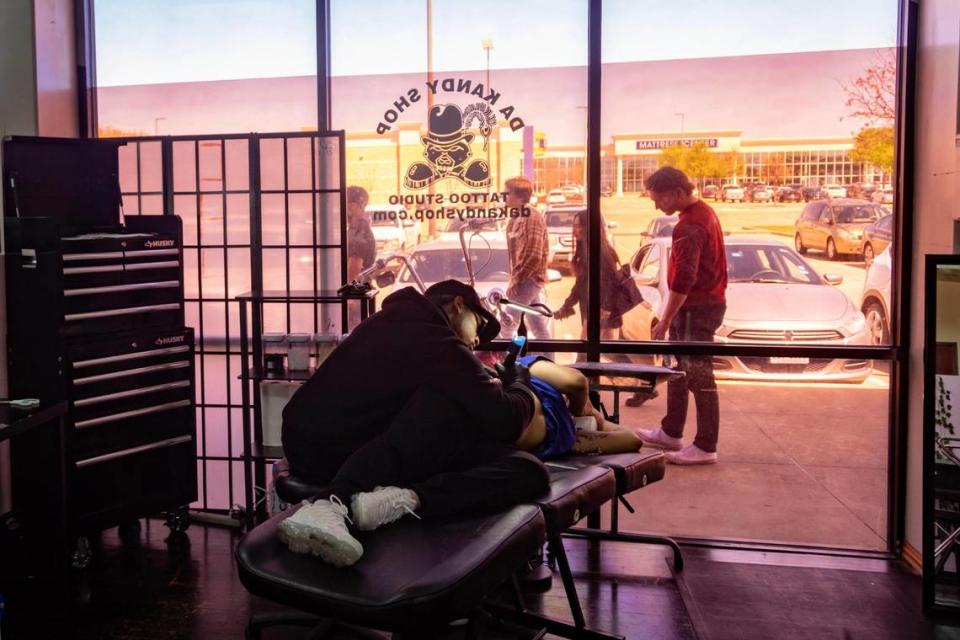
(560, 218)
(443, 264)
(768, 263)
(847, 215)
(455, 224)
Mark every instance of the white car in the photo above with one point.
(486, 229)
(731, 192)
(443, 260)
(875, 299)
(557, 196)
(834, 191)
(559, 221)
(883, 196)
(392, 228)
(773, 297)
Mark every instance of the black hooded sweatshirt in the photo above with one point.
(366, 381)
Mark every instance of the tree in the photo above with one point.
(113, 132)
(874, 145)
(872, 96)
(696, 161)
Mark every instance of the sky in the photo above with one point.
(160, 41)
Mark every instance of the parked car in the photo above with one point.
(883, 196)
(731, 192)
(392, 229)
(875, 299)
(559, 219)
(556, 196)
(774, 297)
(443, 260)
(787, 194)
(487, 229)
(606, 191)
(835, 226)
(835, 191)
(758, 193)
(709, 191)
(813, 192)
(876, 237)
(659, 227)
(573, 193)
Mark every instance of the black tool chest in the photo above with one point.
(96, 317)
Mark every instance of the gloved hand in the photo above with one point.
(514, 373)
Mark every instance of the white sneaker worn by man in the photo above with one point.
(657, 438)
(382, 506)
(321, 529)
(692, 455)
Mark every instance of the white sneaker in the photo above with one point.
(585, 423)
(321, 529)
(692, 455)
(657, 438)
(382, 506)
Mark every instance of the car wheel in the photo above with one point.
(831, 250)
(876, 323)
(868, 255)
(798, 243)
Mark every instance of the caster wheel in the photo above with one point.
(82, 554)
(178, 521)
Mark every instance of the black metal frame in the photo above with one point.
(931, 264)
(897, 353)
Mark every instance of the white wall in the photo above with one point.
(935, 206)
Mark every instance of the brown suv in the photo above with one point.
(835, 226)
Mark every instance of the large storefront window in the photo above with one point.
(173, 67)
(772, 127)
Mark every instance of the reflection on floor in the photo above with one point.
(799, 463)
(188, 588)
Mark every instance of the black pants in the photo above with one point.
(695, 324)
(432, 448)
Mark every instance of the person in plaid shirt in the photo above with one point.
(528, 249)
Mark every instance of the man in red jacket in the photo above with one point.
(697, 278)
(402, 418)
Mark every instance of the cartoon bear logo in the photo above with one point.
(447, 152)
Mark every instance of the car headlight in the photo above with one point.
(858, 324)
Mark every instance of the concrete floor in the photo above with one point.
(799, 463)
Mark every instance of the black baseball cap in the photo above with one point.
(490, 327)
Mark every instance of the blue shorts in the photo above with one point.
(561, 433)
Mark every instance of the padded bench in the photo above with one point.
(414, 577)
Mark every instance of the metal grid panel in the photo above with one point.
(259, 212)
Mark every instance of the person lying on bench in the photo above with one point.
(403, 418)
(564, 420)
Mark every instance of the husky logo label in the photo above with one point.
(155, 244)
(170, 340)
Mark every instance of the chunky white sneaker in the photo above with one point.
(381, 506)
(321, 529)
(692, 455)
(657, 438)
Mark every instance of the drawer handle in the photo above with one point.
(80, 364)
(162, 444)
(108, 313)
(166, 284)
(123, 373)
(139, 266)
(69, 271)
(104, 255)
(84, 424)
(180, 384)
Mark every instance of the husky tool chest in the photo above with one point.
(96, 318)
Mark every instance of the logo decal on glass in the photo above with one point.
(447, 148)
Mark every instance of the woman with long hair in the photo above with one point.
(610, 319)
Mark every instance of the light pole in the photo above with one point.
(488, 46)
(681, 121)
(156, 125)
